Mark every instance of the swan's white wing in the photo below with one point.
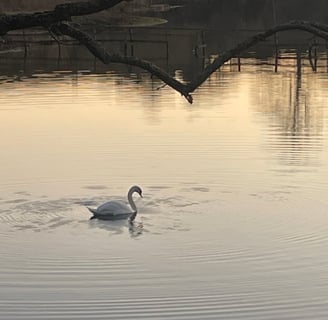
(114, 208)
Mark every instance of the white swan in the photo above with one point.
(115, 210)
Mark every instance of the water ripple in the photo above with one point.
(184, 307)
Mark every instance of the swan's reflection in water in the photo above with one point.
(135, 228)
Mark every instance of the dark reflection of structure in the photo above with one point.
(172, 49)
(296, 122)
(296, 110)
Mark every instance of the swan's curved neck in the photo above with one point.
(131, 202)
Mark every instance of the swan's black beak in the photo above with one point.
(140, 195)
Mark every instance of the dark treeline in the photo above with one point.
(39, 5)
(210, 13)
(28, 5)
(240, 14)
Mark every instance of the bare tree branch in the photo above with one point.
(314, 28)
(99, 52)
(56, 21)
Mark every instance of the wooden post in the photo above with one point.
(25, 45)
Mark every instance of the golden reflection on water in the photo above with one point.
(62, 127)
(102, 128)
(233, 218)
(294, 109)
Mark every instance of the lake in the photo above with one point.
(233, 223)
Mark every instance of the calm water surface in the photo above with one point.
(233, 223)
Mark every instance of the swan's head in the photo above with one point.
(136, 189)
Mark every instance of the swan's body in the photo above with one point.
(116, 210)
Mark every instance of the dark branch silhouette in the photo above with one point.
(186, 89)
(314, 28)
(57, 22)
(99, 52)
